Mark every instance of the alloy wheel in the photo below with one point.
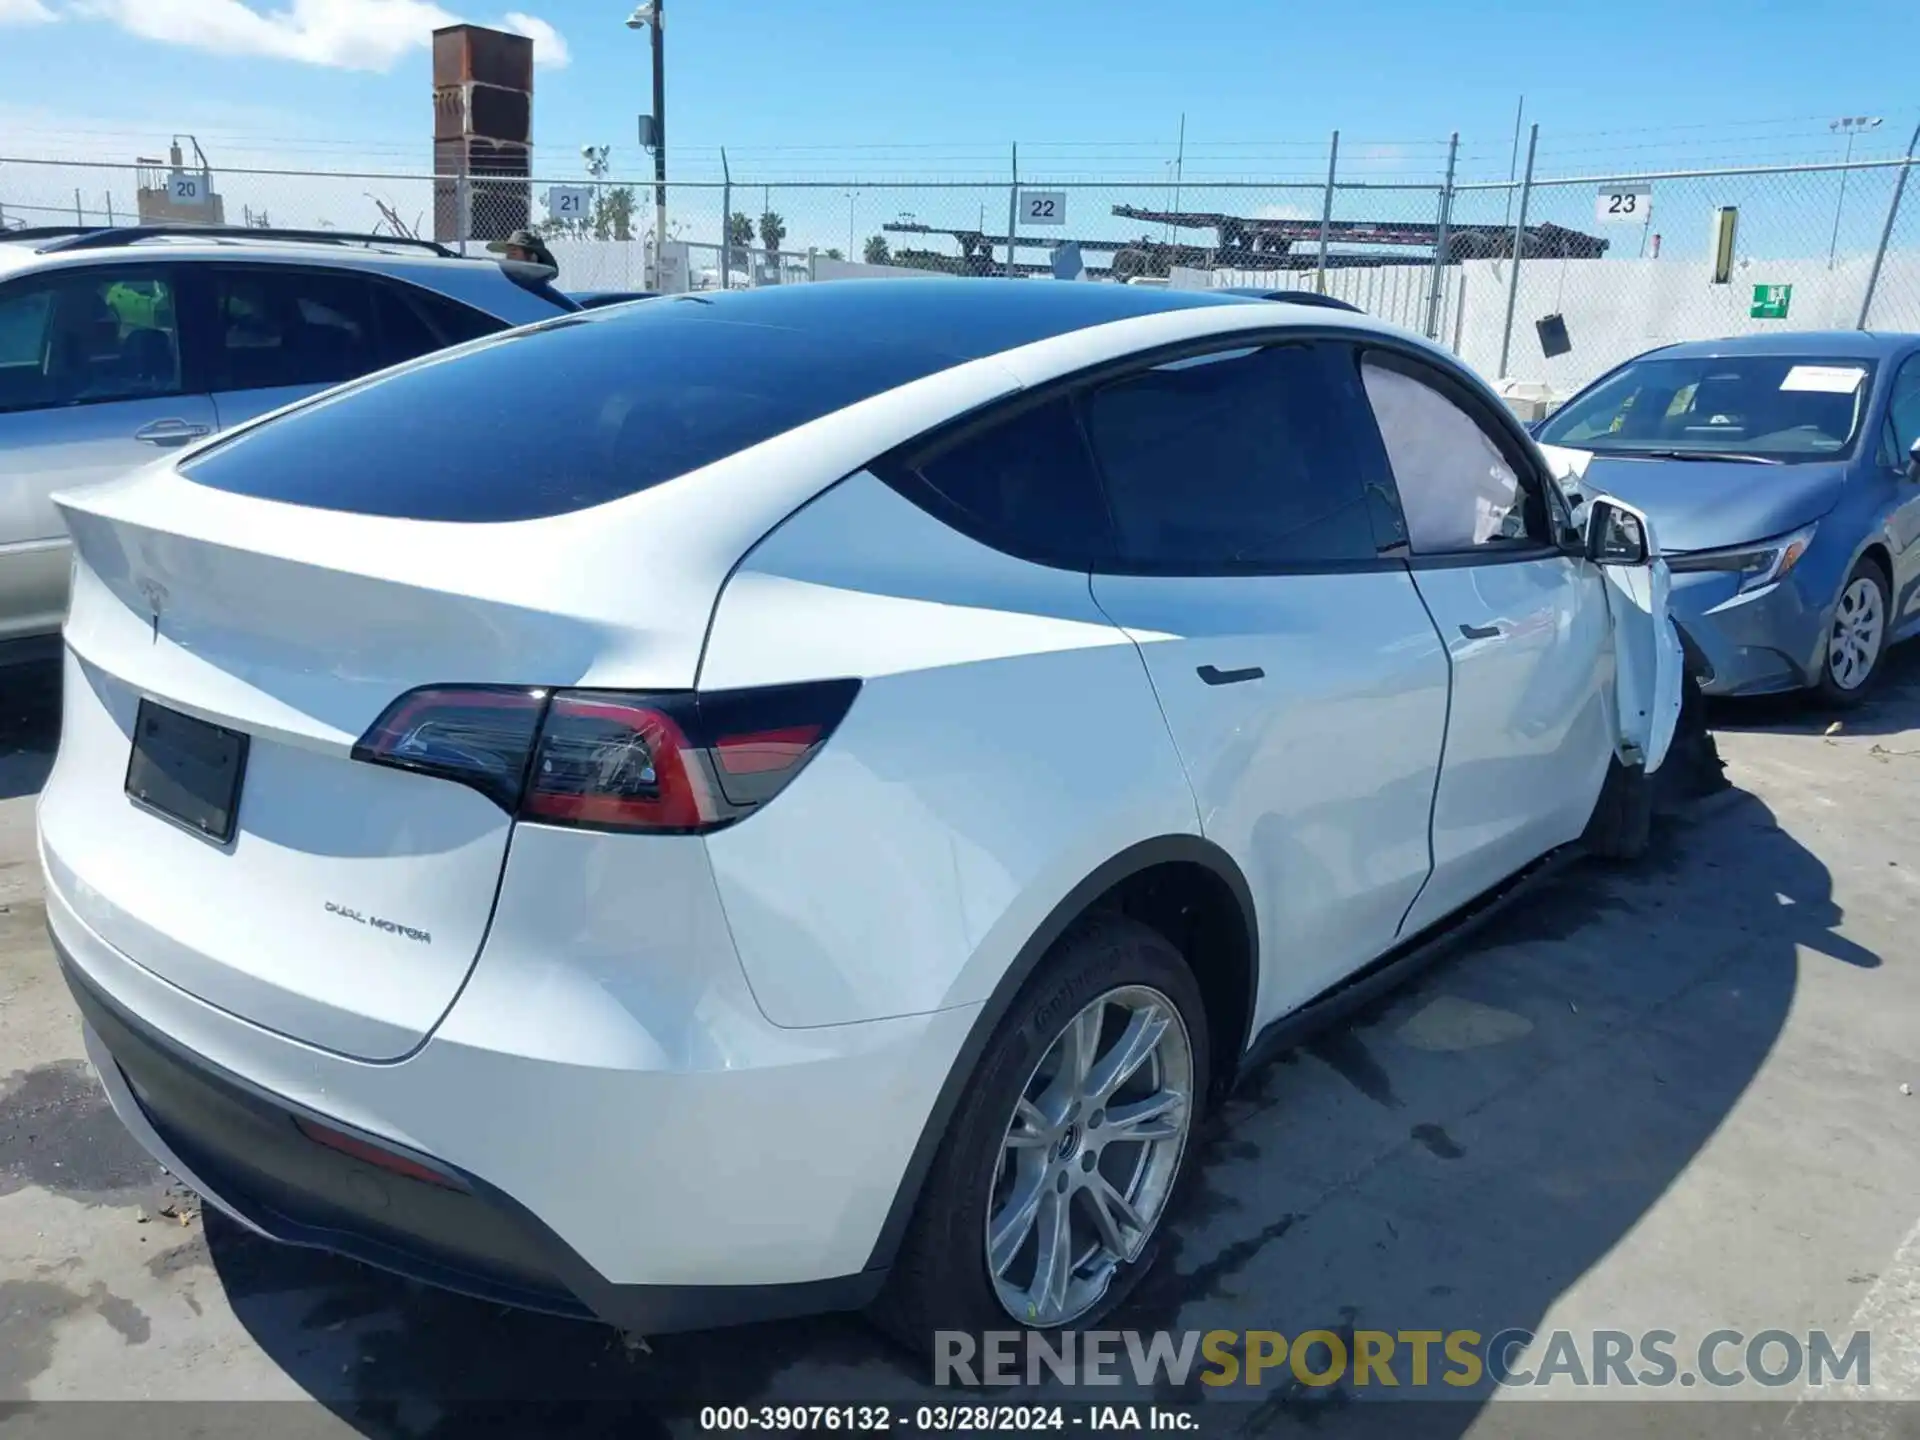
(1089, 1157)
(1859, 621)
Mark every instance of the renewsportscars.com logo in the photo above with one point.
(1411, 1359)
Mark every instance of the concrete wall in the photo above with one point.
(1615, 309)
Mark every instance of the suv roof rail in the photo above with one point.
(43, 232)
(100, 237)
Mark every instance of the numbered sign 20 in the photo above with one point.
(187, 190)
(1623, 204)
(1043, 207)
(569, 202)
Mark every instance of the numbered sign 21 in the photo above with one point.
(1043, 207)
(569, 202)
(1623, 204)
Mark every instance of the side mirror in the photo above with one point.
(1615, 535)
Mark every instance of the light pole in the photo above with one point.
(650, 17)
(1850, 126)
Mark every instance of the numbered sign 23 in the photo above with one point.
(1043, 207)
(1623, 204)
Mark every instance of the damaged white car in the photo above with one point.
(799, 799)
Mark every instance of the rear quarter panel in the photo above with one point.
(1004, 744)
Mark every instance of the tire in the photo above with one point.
(941, 1278)
(1857, 637)
(1621, 826)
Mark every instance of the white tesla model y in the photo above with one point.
(767, 802)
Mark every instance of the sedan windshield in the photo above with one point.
(1771, 407)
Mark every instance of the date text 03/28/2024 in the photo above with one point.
(945, 1419)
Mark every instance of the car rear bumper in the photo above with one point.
(655, 1199)
(246, 1154)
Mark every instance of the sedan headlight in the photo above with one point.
(1758, 565)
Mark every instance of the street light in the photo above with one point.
(1849, 126)
(650, 17)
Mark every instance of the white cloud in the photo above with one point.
(549, 48)
(25, 12)
(344, 34)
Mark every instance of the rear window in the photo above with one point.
(561, 417)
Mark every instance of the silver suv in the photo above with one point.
(120, 344)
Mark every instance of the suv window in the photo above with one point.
(276, 325)
(1235, 460)
(414, 322)
(1457, 487)
(1904, 408)
(85, 336)
(1024, 485)
(604, 404)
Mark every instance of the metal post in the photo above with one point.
(79, 215)
(1519, 243)
(1432, 331)
(1326, 212)
(1513, 157)
(726, 221)
(1013, 209)
(463, 200)
(109, 209)
(1886, 231)
(659, 139)
(1840, 203)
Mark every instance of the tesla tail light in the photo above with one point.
(679, 763)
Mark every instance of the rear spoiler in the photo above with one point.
(538, 280)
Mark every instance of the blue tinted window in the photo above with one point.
(1235, 460)
(560, 417)
(1025, 485)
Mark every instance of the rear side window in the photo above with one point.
(452, 323)
(279, 326)
(558, 417)
(1237, 460)
(1025, 485)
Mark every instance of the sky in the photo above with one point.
(835, 90)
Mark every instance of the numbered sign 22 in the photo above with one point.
(1623, 204)
(187, 190)
(1043, 207)
(569, 202)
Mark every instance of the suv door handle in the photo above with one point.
(1480, 632)
(1229, 677)
(171, 432)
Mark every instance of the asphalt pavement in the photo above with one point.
(1675, 1095)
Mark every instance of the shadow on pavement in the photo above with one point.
(29, 726)
(1455, 1158)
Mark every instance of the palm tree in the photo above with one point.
(772, 231)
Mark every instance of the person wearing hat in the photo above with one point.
(527, 246)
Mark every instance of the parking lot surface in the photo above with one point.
(1675, 1096)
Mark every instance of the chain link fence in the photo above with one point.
(1546, 278)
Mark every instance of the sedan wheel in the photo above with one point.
(1089, 1156)
(1859, 633)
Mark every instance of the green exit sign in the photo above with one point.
(1770, 302)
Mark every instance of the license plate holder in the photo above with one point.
(186, 771)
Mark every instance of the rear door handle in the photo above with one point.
(1230, 677)
(1480, 632)
(171, 432)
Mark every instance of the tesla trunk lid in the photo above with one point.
(350, 900)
